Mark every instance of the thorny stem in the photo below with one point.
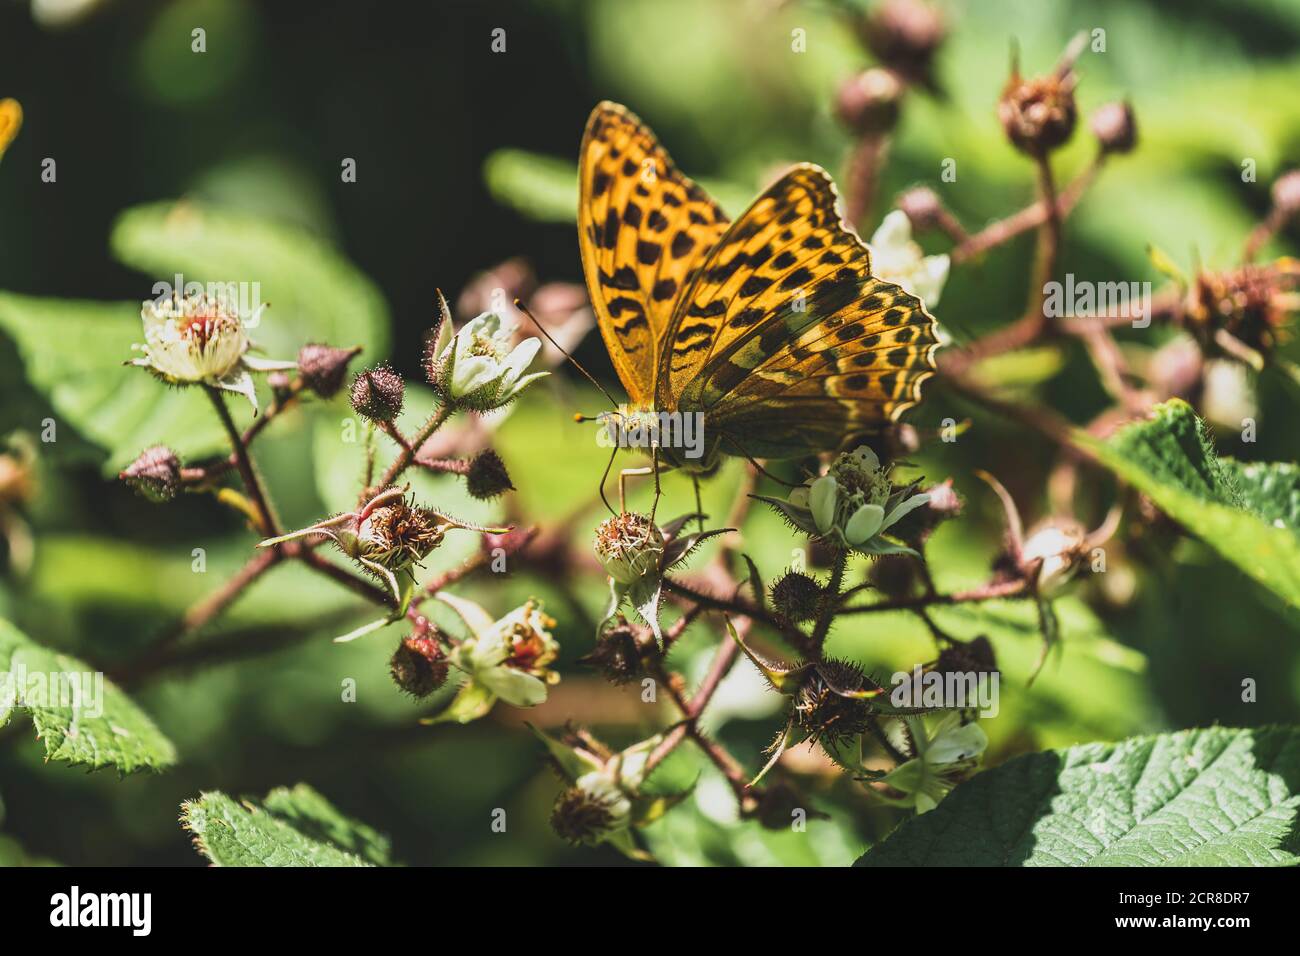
(245, 464)
(408, 452)
(827, 613)
(198, 475)
(1032, 216)
(987, 592)
(198, 616)
(864, 176)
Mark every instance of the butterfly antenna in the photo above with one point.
(563, 351)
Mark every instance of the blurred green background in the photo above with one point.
(463, 158)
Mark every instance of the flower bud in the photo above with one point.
(1286, 192)
(922, 206)
(419, 666)
(1115, 127)
(797, 597)
(479, 367)
(968, 657)
(486, 476)
(629, 547)
(377, 394)
(777, 805)
(323, 367)
(904, 35)
(869, 102)
(156, 474)
(1058, 544)
(1038, 114)
(893, 576)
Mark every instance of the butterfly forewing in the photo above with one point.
(785, 339)
(642, 228)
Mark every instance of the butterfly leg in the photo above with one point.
(654, 466)
(699, 506)
(622, 480)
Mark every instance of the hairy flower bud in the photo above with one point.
(486, 476)
(324, 367)
(378, 393)
(419, 666)
(629, 547)
(1286, 192)
(969, 657)
(1115, 127)
(156, 474)
(797, 597)
(904, 35)
(922, 206)
(869, 102)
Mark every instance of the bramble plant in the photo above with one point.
(823, 628)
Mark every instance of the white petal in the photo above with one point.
(513, 685)
(822, 497)
(960, 744)
(894, 234)
(864, 523)
(903, 507)
(240, 382)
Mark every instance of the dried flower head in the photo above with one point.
(629, 546)
(1252, 304)
(590, 811)
(823, 708)
(1039, 113)
(618, 655)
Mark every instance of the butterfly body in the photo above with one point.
(768, 334)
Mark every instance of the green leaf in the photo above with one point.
(72, 352)
(104, 728)
(1212, 797)
(540, 187)
(315, 294)
(1271, 490)
(290, 827)
(1245, 512)
(12, 854)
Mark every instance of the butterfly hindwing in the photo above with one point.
(642, 228)
(785, 339)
